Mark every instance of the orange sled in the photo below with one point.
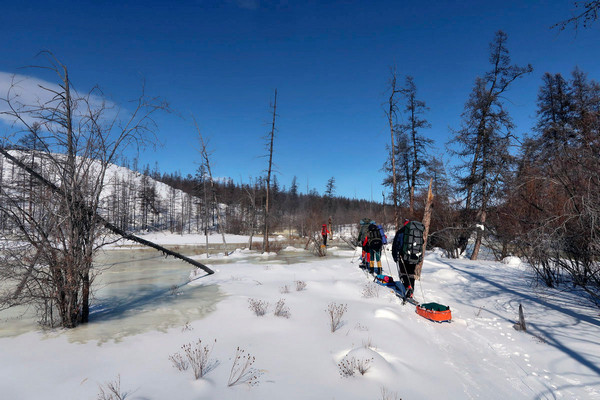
(435, 312)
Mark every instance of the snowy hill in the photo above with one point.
(476, 356)
(131, 200)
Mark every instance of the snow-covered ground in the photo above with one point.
(477, 356)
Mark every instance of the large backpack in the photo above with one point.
(364, 228)
(374, 240)
(412, 245)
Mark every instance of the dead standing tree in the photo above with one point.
(391, 113)
(80, 137)
(206, 163)
(270, 139)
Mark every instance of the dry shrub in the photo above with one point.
(275, 247)
(242, 370)
(336, 312)
(112, 390)
(259, 307)
(196, 356)
(387, 395)
(281, 310)
(349, 366)
(370, 289)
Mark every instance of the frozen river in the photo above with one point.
(135, 291)
(139, 290)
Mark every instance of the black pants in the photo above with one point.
(325, 240)
(406, 272)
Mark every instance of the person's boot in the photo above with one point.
(379, 269)
(409, 292)
(371, 266)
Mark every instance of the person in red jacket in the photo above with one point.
(324, 233)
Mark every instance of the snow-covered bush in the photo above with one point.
(284, 289)
(259, 307)
(300, 286)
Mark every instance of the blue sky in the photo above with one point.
(329, 60)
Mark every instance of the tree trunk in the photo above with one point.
(392, 105)
(426, 222)
(268, 183)
(479, 236)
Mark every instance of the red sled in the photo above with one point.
(434, 312)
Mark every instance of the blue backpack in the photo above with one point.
(383, 237)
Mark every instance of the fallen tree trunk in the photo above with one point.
(104, 222)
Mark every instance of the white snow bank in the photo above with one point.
(512, 261)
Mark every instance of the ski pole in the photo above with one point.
(352, 259)
(387, 261)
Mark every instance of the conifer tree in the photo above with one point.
(485, 136)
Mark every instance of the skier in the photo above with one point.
(372, 246)
(324, 233)
(362, 234)
(406, 269)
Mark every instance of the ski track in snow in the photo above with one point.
(508, 358)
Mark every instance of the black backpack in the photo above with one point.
(363, 230)
(374, 239)
(412, 245)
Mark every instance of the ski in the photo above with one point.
(410, 300)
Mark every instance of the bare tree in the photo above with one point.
(80, 136)
(587, 14)
(206, 162)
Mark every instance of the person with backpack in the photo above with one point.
(324, 233)
(407, 251)
(362, 234)
(372, 244)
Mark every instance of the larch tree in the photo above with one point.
(391, 113)
(417, 142)
(485, 136)
(560, 184)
